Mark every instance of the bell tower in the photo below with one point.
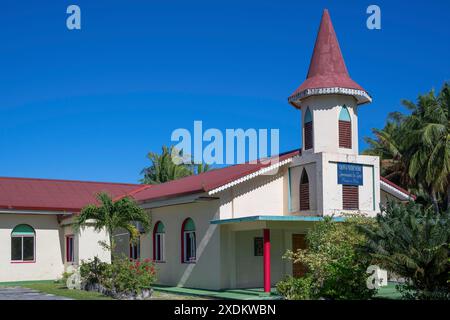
(329, 98)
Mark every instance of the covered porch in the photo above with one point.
(252, 249)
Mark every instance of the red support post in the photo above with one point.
(266, 260)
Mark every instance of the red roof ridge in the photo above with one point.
(133, 192)
(64, 180)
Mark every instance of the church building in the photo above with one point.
(226, 228)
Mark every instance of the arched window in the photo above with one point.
(158, 242)
(304, 191)
(345, 129)
(308, 130)
(23, 244)
(188, 243)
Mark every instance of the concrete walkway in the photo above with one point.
(19, 293)
(230, 294)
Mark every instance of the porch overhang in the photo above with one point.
(270, 222)
(274, 219)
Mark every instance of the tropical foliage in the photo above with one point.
(292, 288)
(124, 276)
(414, 149)
(131, 276)
(112, 215)
(336, 269)
(412, 242)
(170, 165)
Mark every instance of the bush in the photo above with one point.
(64, 277)
(335, 265)
(412, 241)
(94, 272)
(131, 276)
(296, 288)
(123, 278)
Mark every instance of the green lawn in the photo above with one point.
(388, 292)
(58, 289)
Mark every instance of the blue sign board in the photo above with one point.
(350, 174)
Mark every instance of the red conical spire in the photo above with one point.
(327, 72)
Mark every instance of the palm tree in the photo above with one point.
(389, 146)
(412, 242)
(163, 168)
(111, 215)
(202, 168)
(171, 164)
(414, 149)
(429, 143)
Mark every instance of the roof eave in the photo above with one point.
(361, 96)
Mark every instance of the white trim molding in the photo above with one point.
(360, 95)
(395, 192)
(251, 176)
(34, 212)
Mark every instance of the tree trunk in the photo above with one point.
(434, 201)
(111, 244)
(448, 197)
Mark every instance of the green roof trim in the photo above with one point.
(189, 225)
(160, 227)
(274, 218)
(308, 116)
(344, 115)
(22, 229)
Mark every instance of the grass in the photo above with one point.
(388, 292)
(58, 289)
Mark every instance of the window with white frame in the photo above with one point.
(23, 244)
(189, 247)
(158, 242)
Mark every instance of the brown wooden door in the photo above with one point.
(298, 242)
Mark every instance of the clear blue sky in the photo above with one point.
(90, 104)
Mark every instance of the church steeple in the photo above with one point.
(327, 72)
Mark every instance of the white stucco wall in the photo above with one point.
(325, 192)
(369, 192)
(86, 243)
(312, 164)
(241, 269)
(262, 195)
(249, 268)
(325, 110)
(205, 272)
(48, 253)
(89, 245)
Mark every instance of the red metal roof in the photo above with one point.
(55, 195)
(327, 67)
(72, 196)
(205, 182)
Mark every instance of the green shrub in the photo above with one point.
(94, 271)
(122, 276)
(412, 241)
(131, 276)
(64, 277)
(333, 260)
(296, 288)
